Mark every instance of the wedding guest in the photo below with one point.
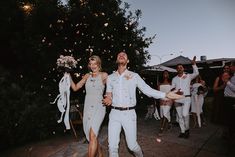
(181, 84)
(165, 103)
(229, 99)
(94, 111)
(218, 97)
(198, 92)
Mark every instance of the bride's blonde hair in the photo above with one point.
(97, 60)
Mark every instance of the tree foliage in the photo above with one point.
(32, 40)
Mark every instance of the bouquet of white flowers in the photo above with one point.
(66, 63)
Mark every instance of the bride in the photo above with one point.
(94, 111)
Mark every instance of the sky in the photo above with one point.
(188, 27)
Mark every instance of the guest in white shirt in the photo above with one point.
(181, 85)
(121, 97)
(229, 105)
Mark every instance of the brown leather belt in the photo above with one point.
(122, 108)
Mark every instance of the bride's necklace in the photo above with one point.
(93, 78)
(94, 74)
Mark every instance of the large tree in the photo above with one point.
(99, 27)
(33, 35)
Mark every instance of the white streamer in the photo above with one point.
(63, 102)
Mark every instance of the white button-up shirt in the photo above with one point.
(123, 88)
(229, 90)
(183, 83)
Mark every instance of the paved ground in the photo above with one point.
(203, 142)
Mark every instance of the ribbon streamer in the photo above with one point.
(63, 100)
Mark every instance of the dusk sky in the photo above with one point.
(188, 27)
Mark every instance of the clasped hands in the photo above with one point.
(107, 100)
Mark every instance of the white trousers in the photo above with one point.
(183, 113)
(128, 121)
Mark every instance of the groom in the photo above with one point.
(121, 97)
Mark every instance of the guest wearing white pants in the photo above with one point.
(121, 97)
(181, 85)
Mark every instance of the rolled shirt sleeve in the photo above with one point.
(195, 72)
(109, 87)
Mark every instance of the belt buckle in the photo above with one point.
(123, 108)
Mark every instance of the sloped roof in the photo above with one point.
(160, 68)
(178, 60)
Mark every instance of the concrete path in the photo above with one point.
(203, 142)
